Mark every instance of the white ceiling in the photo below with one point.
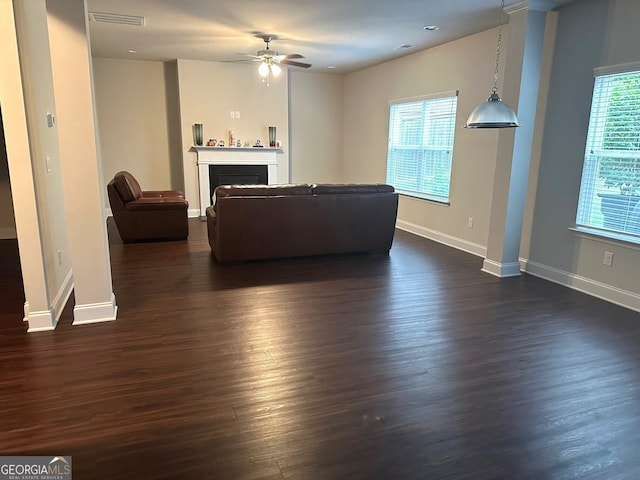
(346, 34)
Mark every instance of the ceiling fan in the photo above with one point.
(270, 60)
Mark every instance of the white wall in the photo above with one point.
(466, 65)
(316, 127)
(591, 33)
(208, 91)
(143, 138)
(132, 108)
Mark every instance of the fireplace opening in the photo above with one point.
(236, 175)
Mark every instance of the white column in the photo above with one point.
(520, 91)
(73, 86)
(37, 309)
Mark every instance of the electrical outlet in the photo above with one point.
(607, 259)
(470, 222)
(60, 257)
(232, 114)
(237, 113)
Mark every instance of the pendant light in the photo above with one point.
(493, 113)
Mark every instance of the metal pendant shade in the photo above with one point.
(493, 113)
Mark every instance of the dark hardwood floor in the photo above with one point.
(411, 366)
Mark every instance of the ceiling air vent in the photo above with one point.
(118, 19)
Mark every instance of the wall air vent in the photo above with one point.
(118, 19)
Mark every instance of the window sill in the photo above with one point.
(423, 197)
(612, 238)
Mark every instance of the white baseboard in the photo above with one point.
(61, 298)
(47, 320)
(95, 312)
(451, 241)
(596, 289)
(40, 321)
(603, 291)
(8, 232)
(501, 270)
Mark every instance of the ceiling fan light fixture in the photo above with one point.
(494, 113)
(275, 69)
(263, 69)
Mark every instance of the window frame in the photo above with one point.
(418, 149)
(596, 136)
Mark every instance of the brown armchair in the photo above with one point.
(146, 215)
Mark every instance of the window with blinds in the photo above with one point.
(609, 199)
(420, 148)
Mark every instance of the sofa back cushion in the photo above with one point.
(127, 186)
(333, 188)
(262, 190)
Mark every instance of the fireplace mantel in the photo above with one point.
(232, 156)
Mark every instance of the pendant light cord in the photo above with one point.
(495, 75)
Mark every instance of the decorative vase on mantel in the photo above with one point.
(272, 136)
(197, 134)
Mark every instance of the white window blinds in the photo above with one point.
(610, 189)
(420, 147)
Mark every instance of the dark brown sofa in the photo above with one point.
(149, 214)
(249, 222)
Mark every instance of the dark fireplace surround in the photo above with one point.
(236, 175)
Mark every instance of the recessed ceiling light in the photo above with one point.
(431, 28)
(405, 46)
(331, 66)
(132, 51)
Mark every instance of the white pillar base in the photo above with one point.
(95, 312)
(501, 270)
(42, 321)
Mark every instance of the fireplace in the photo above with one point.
(253, 158)
(236, 175)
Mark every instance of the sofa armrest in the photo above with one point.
(162, 193)
(157, 203)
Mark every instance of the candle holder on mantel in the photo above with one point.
(197, 134)
(272, 136)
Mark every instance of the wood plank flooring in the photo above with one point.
(411, 366)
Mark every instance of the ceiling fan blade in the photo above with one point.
(292, 55)
(295, 64)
